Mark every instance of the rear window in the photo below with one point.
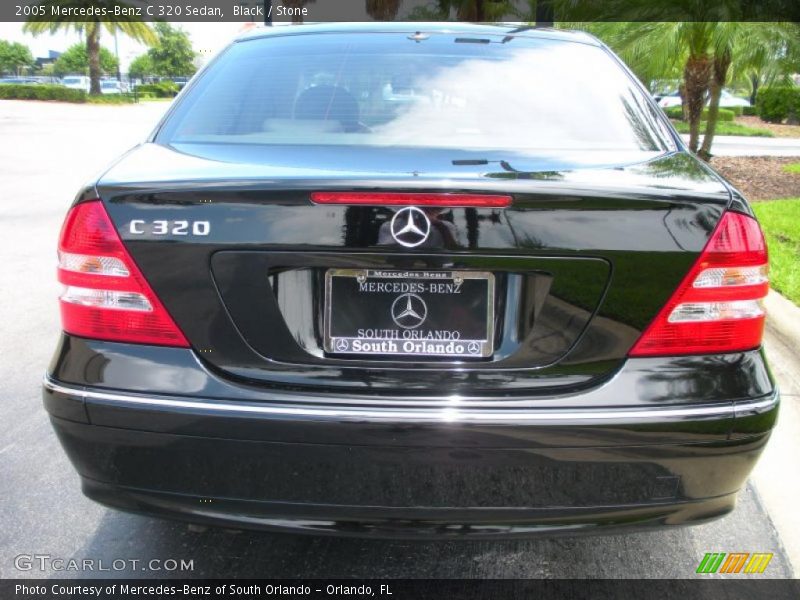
(443, 90)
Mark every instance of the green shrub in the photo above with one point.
(162, 89)
(676, 112)
(41, 92)
(778, 103)
(749, 111)
(169, 89)
(738, 111)
(147, 89)
(725, 114)
(112, 99)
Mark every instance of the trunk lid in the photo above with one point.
(581, 261)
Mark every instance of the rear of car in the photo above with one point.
(727, 100)
(18, 81)
(383, 280)
(76, 82)
(112, 86)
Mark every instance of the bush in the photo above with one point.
(41, 92)
(112, 99)
(146, 89)
(777, 103)
(162, 89)
(738, 111)
(749, 111)
(725, 114)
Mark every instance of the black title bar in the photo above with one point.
(526, 11)
(739, 588)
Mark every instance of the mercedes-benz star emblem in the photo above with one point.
(342, 345)
(409, 311)
(410, 226)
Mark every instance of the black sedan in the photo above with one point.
(413, 280)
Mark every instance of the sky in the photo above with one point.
(207, 39)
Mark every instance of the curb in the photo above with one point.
(777, 492)
(784, 317)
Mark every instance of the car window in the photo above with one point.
(443, 91)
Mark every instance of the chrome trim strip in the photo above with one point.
(756, 407)
(439, 415)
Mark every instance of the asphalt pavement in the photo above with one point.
(47, 152)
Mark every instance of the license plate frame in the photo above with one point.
(415, 341)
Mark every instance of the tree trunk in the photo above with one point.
(93, 53)
(718, 78)
(545, 16)
(480, 14)
(711, 123)
(468, 10)
(684, 109)
(696, 75)
(754, 85)
(383, 10)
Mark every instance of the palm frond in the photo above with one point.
(127, 24)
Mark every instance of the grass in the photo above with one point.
(780, 220)
(792, 168)
(726, 128)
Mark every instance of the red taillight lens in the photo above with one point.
(105, 295)
(412, 199)
(718, 306)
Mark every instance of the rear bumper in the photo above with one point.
(663, 442)
(424, 523)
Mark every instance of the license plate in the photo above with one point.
(409, 313)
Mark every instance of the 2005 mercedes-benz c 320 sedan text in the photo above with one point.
(413, 280)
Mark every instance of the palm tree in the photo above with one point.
(719, 76)
(657, 48)
(706, 49)
(748, 44)
(92, 30)
(765, 58)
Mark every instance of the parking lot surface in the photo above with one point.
(47, 152)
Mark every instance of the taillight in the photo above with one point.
(718, 306)
(105, 295)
